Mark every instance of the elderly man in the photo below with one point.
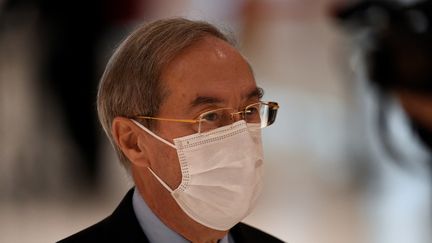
(182, 109)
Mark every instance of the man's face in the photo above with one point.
(208, 75)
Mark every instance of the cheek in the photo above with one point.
(165, 164)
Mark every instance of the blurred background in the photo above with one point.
(348, 159)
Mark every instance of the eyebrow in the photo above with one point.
(258, 92)
(203, 100)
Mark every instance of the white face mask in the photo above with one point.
(221, 173)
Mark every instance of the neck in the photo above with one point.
(169, 212)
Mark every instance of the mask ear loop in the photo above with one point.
(160, 180)
(163, 141)
(153, 134)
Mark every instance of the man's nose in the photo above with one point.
(237, 116)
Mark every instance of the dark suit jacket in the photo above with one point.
(122, 226)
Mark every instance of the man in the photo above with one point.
(183, 111)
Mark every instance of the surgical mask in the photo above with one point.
(221, 173)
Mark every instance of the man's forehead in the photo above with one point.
(208, 47)
(198, 55)
(209, 72)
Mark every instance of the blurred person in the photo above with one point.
(400, 57)
(395, 41)
(70, 38)
(182, 109)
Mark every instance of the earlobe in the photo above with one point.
(126, 136)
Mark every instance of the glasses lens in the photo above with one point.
(267, 113)
(260, 113)
(253, 113)
(214, 119)
(272, 108)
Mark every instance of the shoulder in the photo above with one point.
(121, 226)
(246, 233)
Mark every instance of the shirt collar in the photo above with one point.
(153, 228)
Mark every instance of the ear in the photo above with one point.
(127, 136)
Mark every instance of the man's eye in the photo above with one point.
(252, 111)
(211, 117)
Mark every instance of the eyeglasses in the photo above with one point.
(263, 113)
